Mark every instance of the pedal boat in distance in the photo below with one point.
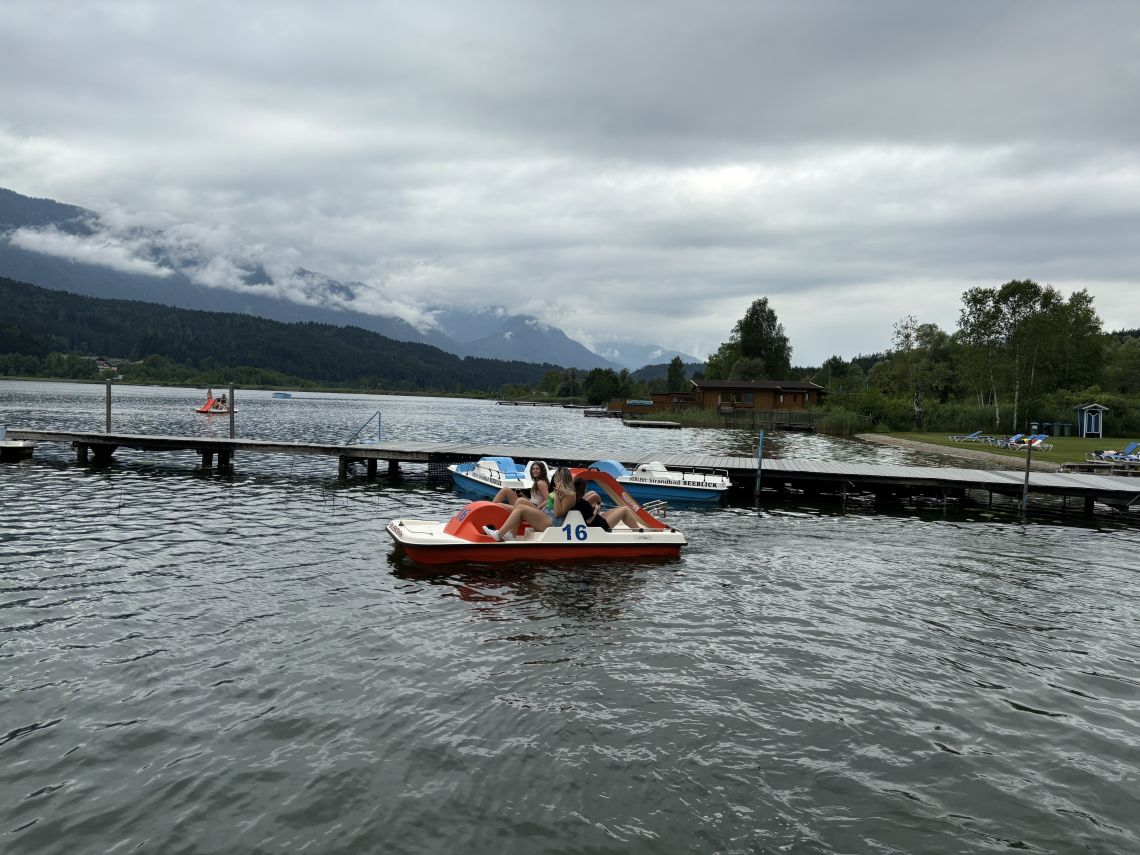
(653, 481)
(213, 407)
(462, 539)
(487, 475)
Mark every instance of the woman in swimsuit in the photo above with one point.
(558, 504)
(538, 492)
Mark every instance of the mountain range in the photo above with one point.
(67, 248)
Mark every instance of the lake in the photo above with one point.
(195, 662)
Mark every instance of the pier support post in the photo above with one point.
(1025, 487)
(759, 460)
(207, 459)
(108, 430)
(103, 452)
(233, 404)
(371, 468)
(342, 467)
(80, 453)
(224, 462)
(393, 468)
(1089, 501)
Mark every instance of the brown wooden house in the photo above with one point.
(732, 395)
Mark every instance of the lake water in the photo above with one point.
(192, 662)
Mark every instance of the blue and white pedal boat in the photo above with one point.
(487, 475)
(654, 481)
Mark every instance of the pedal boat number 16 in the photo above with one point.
(462, 539)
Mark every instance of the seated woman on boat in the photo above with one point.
(538, 492)
(559, 502)
(590, 506)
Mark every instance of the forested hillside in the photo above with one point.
(54, 333)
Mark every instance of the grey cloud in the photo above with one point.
(597, 165)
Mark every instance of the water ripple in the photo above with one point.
(217, 664)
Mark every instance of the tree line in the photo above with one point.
(55, 334)
(1022, 352)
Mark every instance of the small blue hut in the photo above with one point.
(1090, 420)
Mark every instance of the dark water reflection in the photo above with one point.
(196, 663)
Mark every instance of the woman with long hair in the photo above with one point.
(538, 492)
(558, 503)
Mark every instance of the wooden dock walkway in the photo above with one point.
(810, 476)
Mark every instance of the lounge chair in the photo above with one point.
(1036, 440)
(1125, 454)
(1012, 441)
(965, 437)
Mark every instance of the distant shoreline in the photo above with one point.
(950, 451)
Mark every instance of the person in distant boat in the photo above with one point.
(559, 502)
(535, 496)
(220, 404)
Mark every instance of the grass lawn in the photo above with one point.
(1066, 449)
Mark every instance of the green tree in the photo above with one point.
(719, 364)
(675, 379)
(749, 368)
(601, 385)
(552, 382)
(761, 336)
(909, 360)
(1123, 371)
(1021, 329)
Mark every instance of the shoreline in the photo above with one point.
(963, 453)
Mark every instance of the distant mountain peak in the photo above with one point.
(68, 248)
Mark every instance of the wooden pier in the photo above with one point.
(649, 423)
(812, 477)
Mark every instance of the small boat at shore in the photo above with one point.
(487, 475)
(462, 538)
(654, 481)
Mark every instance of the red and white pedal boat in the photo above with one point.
(462, 539)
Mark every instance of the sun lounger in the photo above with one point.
(965, 437)
(1128, 453)
(1036, 440)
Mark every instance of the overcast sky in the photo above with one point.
(629, 169)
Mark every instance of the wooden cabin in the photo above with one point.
(732, 395)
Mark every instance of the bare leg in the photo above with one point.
(623, 514)
(528, 512)
(506, 495)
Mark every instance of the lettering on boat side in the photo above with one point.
(669, 483)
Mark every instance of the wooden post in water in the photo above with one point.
(1025, 487)
(108, 430)
(231, 411)
(759, 462)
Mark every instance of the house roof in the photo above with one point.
(1091, 407)
(760, 385)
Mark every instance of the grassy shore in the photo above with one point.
(1066, 449)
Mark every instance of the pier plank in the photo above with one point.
(1117, 490)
